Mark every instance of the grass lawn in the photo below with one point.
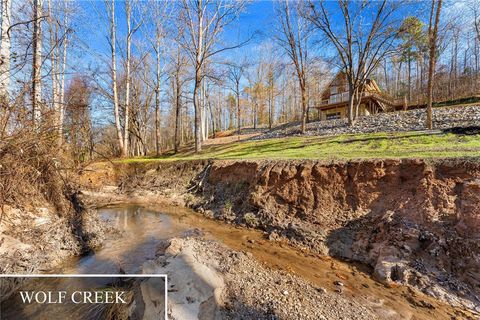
(341, 147)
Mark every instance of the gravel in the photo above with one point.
(412, 120)
(255, 292)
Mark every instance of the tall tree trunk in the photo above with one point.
(178, 114)
(5, 51)
(37, 62)
(126, 122)
(417, 79)
(198, 111)
(212, 117)
(432, 39)
(157, 95)
(54, 56)
(351, 104)
(385, 66)
(239, 122)
(455, 73)
(199, 54)
(5, 67)
(157, 120)
(62, 78)
(303, 92)
(476, 63)
(204, 111)
(477, 49)
(409, 77)
(116, 107)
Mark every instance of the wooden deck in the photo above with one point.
(383, 102)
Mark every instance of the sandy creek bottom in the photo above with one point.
(144, 227)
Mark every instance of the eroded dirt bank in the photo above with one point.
(37, 239)
(42, 221)
(414, 223)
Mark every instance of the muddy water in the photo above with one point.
(389, 302)
(142, 228)
(141, 231)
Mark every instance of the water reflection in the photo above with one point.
(141, 231)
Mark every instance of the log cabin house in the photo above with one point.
(334, 100)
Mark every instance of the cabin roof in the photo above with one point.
(340, 79)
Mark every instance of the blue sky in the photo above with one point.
(258, 16)
(91, 29)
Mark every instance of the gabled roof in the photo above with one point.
(340, 77)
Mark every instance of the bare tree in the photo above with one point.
(53, 50)
(36, 93)
(178, 79)
(58, 40)
(205, 21)
(5, 66)
(432, 44)
(128, 62)
(294, 40)
(128, 66)
(5, 50)
(62, 71)
(360, 46)
(235, 74)
(476, 23)
(158, 16)
(113, 43)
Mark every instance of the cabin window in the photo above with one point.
(333, 90)
(332, 116)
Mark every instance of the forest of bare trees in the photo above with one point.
(136, 78)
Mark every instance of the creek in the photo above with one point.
(143, 228)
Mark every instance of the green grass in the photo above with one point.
(342, 147)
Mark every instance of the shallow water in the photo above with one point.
(141, 231)
(143, 228)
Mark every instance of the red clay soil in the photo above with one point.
(414, 222)
(318, 193)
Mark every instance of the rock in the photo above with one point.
(338, 283)
(411, 120)
(209, 214)
(197, 282)
(322, 290)
(273, 236)
(388, 269)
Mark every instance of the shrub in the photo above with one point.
(31, 172)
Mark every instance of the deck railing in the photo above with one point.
(343, 97)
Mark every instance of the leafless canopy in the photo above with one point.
(362, 33)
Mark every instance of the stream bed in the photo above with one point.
(143, 228)
(139, 233)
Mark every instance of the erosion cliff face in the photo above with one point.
(322, 194)
(413, 222)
